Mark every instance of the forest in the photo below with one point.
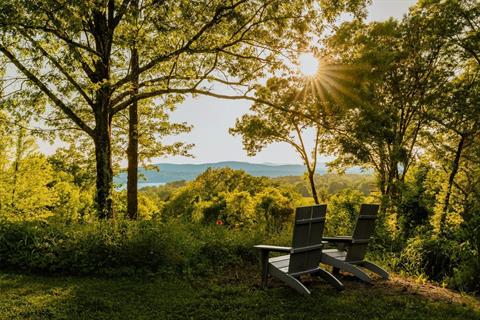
(100, 78)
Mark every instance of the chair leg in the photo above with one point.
(330, 278)
(292, 282)
(376, 269)
(328, 260)
(264, 262)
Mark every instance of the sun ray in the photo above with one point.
(319, 88)
(337, 87)
(336, 75)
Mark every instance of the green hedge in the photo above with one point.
(123, 248)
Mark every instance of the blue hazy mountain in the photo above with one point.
(168, 172)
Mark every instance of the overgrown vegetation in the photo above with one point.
(125, 248)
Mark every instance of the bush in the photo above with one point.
(123, 248)
(467, 276)
(234, 198)
(435, 257)
(275, 206)
(416, 203)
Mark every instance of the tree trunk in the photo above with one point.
(311, 175)
(103, 155)
(451, 179)
(103, 34)
(132, 150)
(391, 189)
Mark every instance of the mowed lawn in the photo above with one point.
(235, 294)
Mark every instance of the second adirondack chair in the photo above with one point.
(350, 252)
(305, 254)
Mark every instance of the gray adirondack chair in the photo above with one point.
(303, 256)
(350, 252)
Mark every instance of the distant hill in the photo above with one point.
(169, 172)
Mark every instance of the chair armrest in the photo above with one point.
(338, 239)
(264, 247)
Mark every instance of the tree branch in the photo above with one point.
(145, 95)
(61, 69)
(121, 12)
(219, 14)
(55, 32)
(69, 112)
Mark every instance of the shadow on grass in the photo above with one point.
(229, 295)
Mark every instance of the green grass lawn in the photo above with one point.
(232, 295)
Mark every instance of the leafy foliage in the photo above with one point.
(233, 198)
(122, 249)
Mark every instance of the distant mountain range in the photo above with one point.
(169, 172)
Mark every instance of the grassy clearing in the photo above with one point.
(233, 295)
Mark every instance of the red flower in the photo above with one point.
(219, 222)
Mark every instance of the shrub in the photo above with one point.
(233, 197)
(415, 205)
(435, 257)
(239, 210)
(123, 248)
(275, 206)
(466, 276)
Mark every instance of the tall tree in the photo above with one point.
(457, 120)
(132, 151)
(457, 25)
(397, 72)
(287, 117)
(76, 53)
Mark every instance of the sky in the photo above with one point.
(211, 118)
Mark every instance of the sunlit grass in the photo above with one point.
(232, 295)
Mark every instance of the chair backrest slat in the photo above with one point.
(363, 231)
(307, 238)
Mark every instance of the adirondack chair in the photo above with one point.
(303, 256)
(350, 252)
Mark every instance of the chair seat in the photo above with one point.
(281, 262)
(341, 255)
(335, 253)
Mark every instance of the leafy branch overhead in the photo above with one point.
(78, 55)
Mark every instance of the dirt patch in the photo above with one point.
(395, 286)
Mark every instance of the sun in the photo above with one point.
(308, 64)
